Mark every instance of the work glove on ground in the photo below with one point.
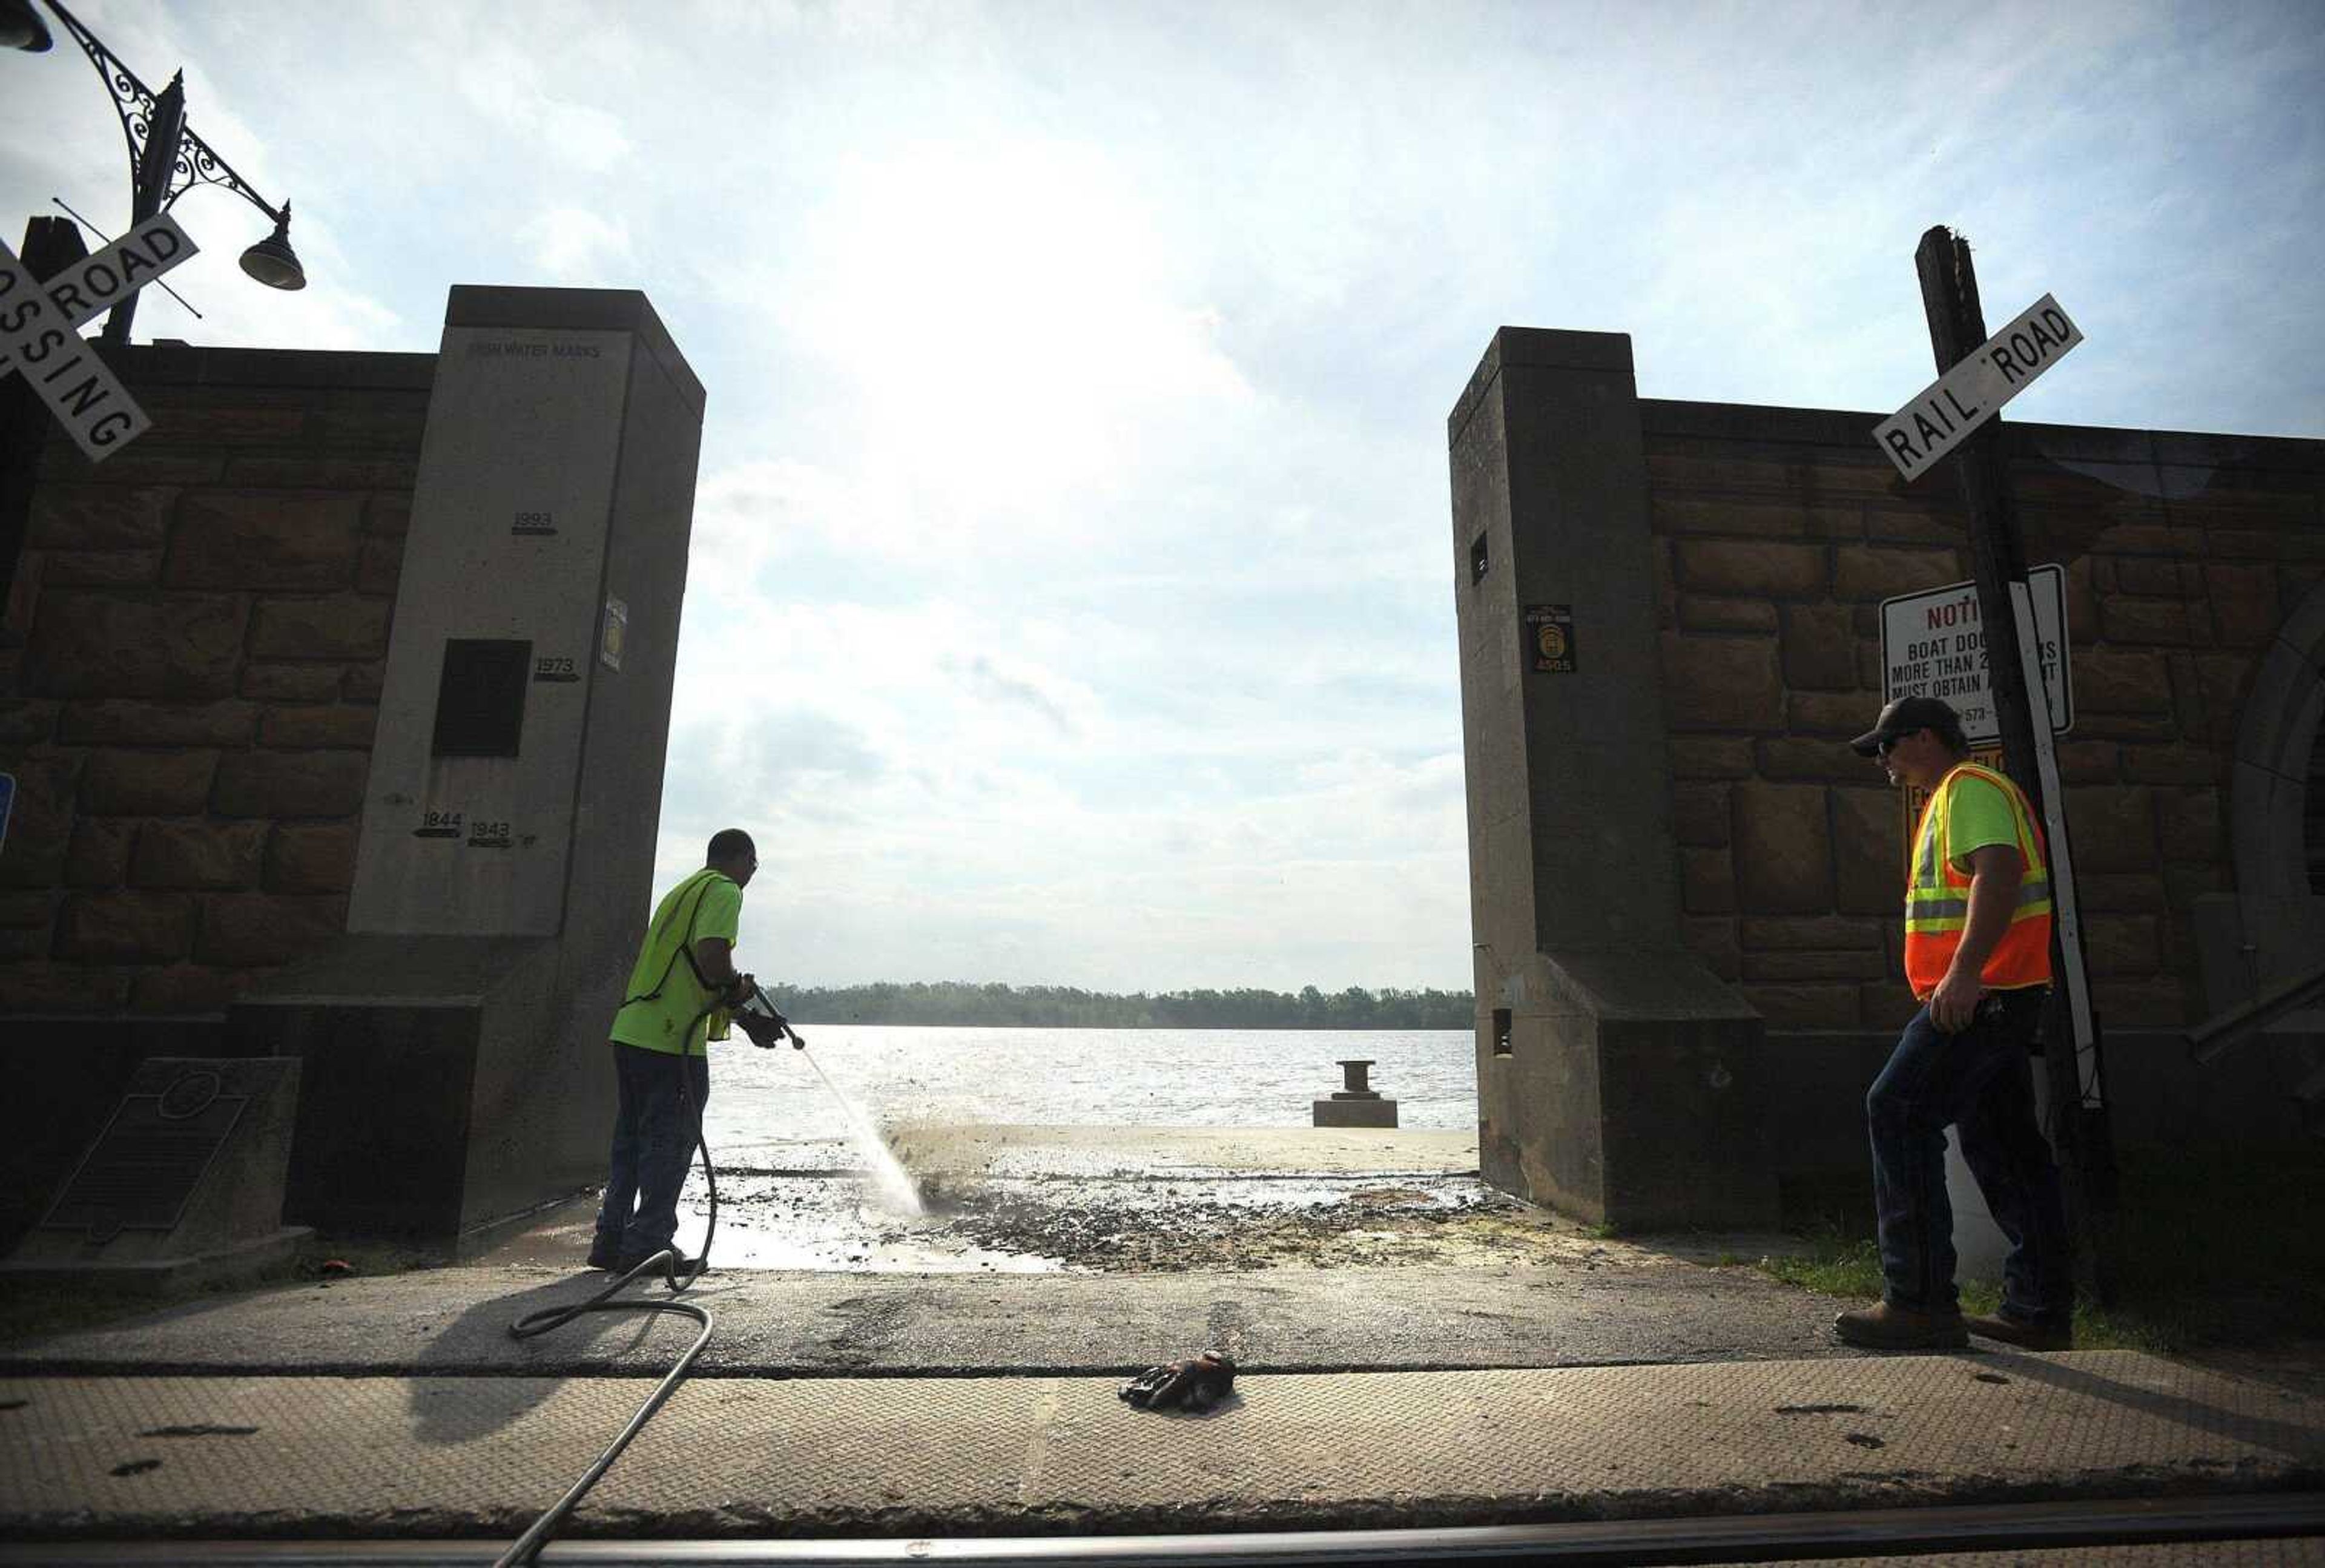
(1197, 1383)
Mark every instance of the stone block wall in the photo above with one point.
(190, 668)
(1778, 532)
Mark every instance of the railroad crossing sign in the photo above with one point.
(39, 336)
(1943, 413)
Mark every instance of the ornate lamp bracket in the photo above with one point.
(132, 100)
(196, 162)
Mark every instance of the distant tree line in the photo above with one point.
(961, 1003)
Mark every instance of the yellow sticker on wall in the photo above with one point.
(616, 634)
(1549, 627)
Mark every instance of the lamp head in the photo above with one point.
(21, 27)
(272, 260)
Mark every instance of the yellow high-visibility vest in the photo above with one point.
(1937, 898)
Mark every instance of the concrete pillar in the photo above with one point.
(454, 1042)
(1617, 1079)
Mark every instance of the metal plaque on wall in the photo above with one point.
(144, 1166)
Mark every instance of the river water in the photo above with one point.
(799, 1188)
(765, 1104)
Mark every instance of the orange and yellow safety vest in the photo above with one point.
(1963, 815)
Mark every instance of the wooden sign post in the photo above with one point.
(2078, 1108)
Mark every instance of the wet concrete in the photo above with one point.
(1048, 1249)
(773, 1324)
(1049, 1199)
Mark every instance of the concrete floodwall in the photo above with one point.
(206, 695)
(2196, 628)
(1616, 1078)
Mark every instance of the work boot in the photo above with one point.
(679, 1262)
(1886, 1327)
(605, 1255)
(2026, 1333)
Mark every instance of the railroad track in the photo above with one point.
(2055, 1530)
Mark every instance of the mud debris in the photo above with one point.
(1180, 1232)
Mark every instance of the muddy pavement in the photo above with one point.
(1049, 1250)
(1034, 1199)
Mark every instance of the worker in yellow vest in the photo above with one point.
(677, 1001)
(1977, 955)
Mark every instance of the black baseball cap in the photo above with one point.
(1904, 717)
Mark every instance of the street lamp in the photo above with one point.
(166, 159)
(21, 27)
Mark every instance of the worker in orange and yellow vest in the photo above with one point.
(1977, 955)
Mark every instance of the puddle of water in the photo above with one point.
(842, 1222)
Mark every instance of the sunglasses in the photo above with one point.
(1884, 748)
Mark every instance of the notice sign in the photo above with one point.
(1549, 634)
(1933, 644)
(1945, 412)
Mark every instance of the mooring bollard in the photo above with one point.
(1358, 1104)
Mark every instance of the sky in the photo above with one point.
(1071, 597)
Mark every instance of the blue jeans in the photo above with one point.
(1982, 1084)
(657, 1121)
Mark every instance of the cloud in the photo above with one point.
(503, 69)
(1070, 595)
(992, 874)
(573, 245)
(1009, 683)
(751, 518)
(999, 315)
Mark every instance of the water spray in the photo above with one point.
(758, 1018)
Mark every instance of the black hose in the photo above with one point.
(529, 1545)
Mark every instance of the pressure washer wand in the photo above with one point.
(758, 1018)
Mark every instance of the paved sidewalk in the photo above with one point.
(456, 1319)
(240, 1456)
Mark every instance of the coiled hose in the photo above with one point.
(677, 1281)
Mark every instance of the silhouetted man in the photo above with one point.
(675, 1002)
